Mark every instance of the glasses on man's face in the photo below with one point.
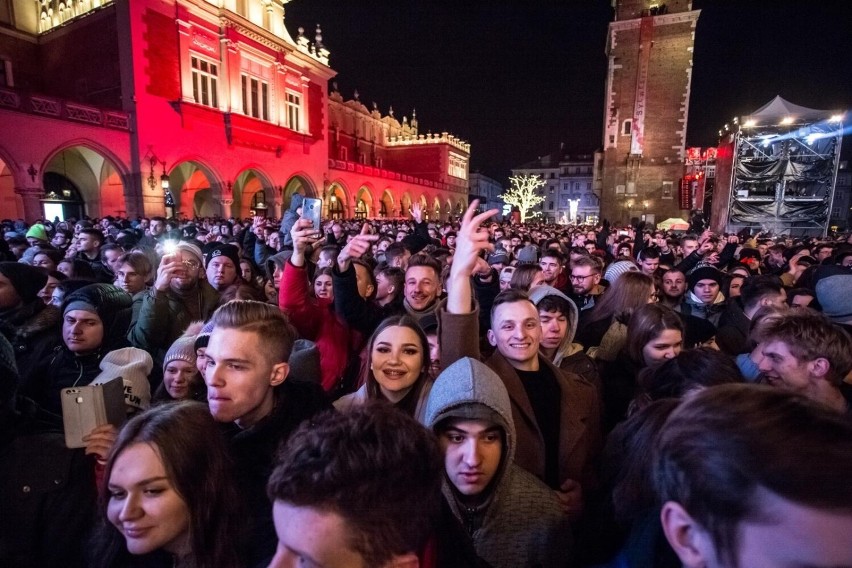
(191, 264)
(578, 278)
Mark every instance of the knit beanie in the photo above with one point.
(833, 294)
(203, 336)
(528, 255)
(618, 268)
(37, 231)
(183, 348)
(26, 280)
(133, 366)
(192, 249)
(703, 272)
(226, 250)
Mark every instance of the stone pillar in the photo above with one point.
(276, 208)
(31, 198)
(226, 207)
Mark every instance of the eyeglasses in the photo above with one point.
(191, 264)
(581, 278)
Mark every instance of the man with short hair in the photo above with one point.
(585, 283)
(362, 489)
(752, 477)
(557, 418)
(649, 260)
(397, 255)
(247, 389)
(674, 288)
(805, 353)
(704, 298)
(178, 297)
(735, 321)
(390, 282)
(551, 263)
(511, 515)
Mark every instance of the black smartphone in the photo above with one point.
(312, 209)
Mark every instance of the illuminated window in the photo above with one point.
(294, 111)
(667, 189)
(255, 97)
(205, 82)
(458, 166)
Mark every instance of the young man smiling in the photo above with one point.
(558, 424)
(247, 389)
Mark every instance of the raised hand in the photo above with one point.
(417, 212)
(304, 235)
(356, 247)
(471, 241)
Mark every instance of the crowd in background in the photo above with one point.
(407, 392)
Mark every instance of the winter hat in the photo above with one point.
(223, 249)
(113, 305)
(498, 257)
(703, 272)
(528, 255)
(278, 260)
(183, 349)
(304, 361)
(203, 336)
(37, 231)
(133, 366)
(429, 323)
(833, 294)
(192, 249)
(26, 280)
(618, 268)
(747, 252)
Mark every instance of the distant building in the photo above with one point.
(487, 190)
(199, 108)
(650, 47)
(569, 190)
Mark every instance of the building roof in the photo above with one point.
(780, 108)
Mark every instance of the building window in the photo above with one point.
(205, 82)
(550, 206)
(626, 127)
(343, 154)
(294, 111)
(667, 189)
(458, 166)
(255, 97)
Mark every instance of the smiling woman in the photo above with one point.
(168, 497)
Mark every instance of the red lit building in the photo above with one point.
(200, 108)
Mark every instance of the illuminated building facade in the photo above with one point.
(196, 108)
(568, 192)
(649, 47)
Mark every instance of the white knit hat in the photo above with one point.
(133, 366)
(618, 268)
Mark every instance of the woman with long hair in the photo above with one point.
(526, 276)
(608, 319)
(168, 497)
(654, 335)
(397, 369)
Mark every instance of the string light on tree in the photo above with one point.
(522, 194)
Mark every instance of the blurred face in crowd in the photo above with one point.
(584, 279)
(87, 243)
(363, 281)
(221, 272)
(111, 259)
(649, 265)
(44, 261)
(663, 347)
(9, 297)
(59, 240)
(178, 378)
(186, 277)
(554, 328)
(735, 286)
(157, 228)
(46, 293)
(688, 247)
(674, 284)
(322, 287)
(422, 285)
(245, 270)
(550, 268)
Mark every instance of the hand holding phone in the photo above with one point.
(312, 210)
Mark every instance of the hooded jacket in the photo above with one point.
(289, 219)
(519, 522)
(570, 355)
(711, 312)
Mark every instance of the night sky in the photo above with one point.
(516, 78)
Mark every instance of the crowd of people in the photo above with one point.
(401, 393)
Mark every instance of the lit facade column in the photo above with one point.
(226, 207)
(31, 198)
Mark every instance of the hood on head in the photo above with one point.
(539, 293)
(464, 390)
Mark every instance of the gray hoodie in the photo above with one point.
(567, 347)
(520, 522)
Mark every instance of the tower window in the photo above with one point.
(626, 127)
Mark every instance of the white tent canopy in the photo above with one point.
(781, 108)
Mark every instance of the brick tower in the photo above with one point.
(649, 47)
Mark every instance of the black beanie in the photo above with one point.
(226, 250)
(27, 280)
(103, 299)
(703, 272)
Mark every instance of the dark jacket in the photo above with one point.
(33, 330)
(732, 333)
(162, 318)
(254, 449)
(359, 314)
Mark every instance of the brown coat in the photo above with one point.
(580, 430)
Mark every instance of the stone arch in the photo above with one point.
(193, 188)
(435, 213)
(364, 203)
(97, 174)
(298, 183)
(10, 202)
(337, 205)
(448, 211)
(405, 205)
(386, 205)
(253, 191)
